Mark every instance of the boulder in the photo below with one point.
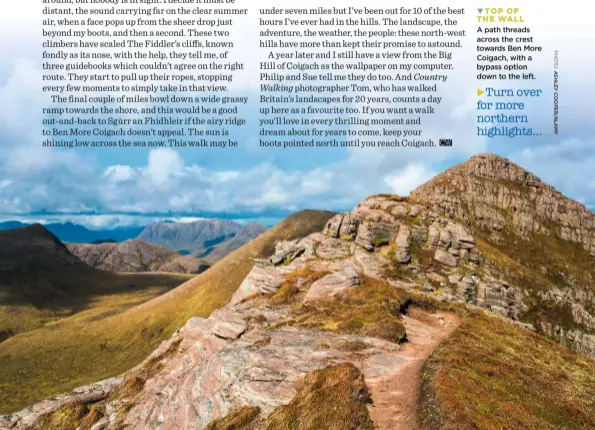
(287, 255)
(332, 249)
(399, 211)
(403, 250)
(333, 226)
(333, 284)
(445, 258)
(228, 325)
(349, 227)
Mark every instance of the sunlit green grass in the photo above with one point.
(491, 374)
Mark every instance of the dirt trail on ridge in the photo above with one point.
(397, 394)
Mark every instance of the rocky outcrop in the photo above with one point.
(228, 324)
(342, 226)
(261, 280)
(333, 249)
(522, 216)
(237, 357)
(461, 275)
(287, 252)
(208, 379)
(135, 256)
(499, 297)
(244, 354)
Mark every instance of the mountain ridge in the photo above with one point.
(33, 252)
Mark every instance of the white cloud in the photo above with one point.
(182, 202)
(317, 182)
(408, 179)
(119, 173)
(163, 164)
(227, 176)
(22, 101)
(187, 219)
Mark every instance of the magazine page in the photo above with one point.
(301, 215)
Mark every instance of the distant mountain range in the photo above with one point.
(75, 233)
(191, 236)
(209, 238)
(246, 234)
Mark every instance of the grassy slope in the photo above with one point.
(118, 292)
(333, 398)
(373, 310)
(493, 375)
(541, 264)
(55, 359)
(41, 282)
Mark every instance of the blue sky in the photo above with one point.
(102, 188)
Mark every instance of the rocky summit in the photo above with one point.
(485, 235)
(541, 243)
(495, 194)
